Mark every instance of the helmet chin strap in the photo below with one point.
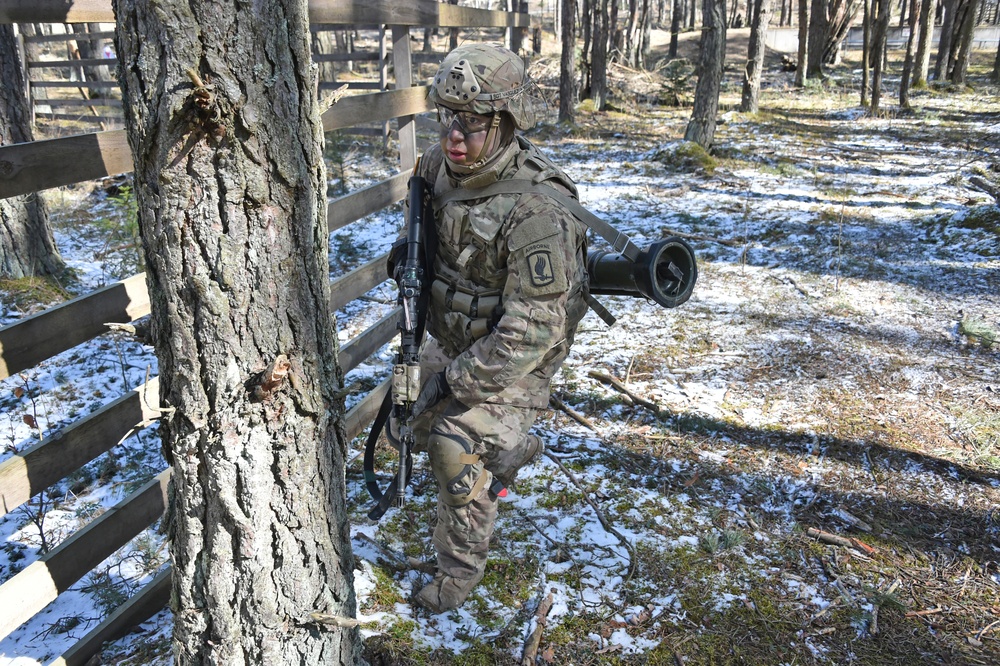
(487, 151)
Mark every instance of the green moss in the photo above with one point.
(686, 156)
(31, 293)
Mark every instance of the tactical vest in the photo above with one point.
(470, 267)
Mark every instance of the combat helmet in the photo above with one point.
(485, 79)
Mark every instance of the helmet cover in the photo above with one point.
(484, 79)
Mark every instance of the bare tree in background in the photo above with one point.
(803, 54)
(27, 247)
(904, 82)
(701, 127)
(922, 59)
(599, 55)
(750, 100)
(567, 63)
(675, 26)
(881, 10)
(224, 125)
(818, 28)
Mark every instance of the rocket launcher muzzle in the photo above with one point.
(665, 271)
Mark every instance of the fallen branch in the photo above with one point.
(836, 540)
(576, 416)
(989, 188)
(921, 613)
(600, 514)
(535, 639)
(618, 385)
(394, 561)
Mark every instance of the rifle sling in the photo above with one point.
(619, 241)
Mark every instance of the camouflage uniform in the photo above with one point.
(510, 288)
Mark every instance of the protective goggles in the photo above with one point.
(468, 123)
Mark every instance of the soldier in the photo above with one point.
(510, 287)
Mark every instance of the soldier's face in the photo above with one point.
(462, 145)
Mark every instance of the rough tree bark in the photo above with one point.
(567, 63)
(224, 126)
(26, 244)
(701, 127)
(750, 101)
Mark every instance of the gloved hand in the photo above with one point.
(434, 390)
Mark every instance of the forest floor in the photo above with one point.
(800, 465)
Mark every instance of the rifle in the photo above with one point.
(412, 276)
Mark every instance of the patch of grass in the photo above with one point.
(386, 593)
(981, 430)
(395, 647)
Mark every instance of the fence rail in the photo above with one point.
(39, 165)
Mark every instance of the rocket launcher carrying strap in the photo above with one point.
(665, 271)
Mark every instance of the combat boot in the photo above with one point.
(445, 593)
(510, 463)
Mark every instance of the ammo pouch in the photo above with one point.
(482, 308)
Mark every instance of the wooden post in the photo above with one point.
(383, 77)
(22, 53)
(403, 66)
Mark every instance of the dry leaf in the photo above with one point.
(18, 392)
(548, 655)
(30, 420)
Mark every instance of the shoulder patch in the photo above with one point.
(539, 251)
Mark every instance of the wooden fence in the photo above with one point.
(45, 164)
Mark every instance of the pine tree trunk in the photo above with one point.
(701, 127)
(26, 244)
(904, 82)
(818, 30)
(750, 101)
(866, 54)
(599, 56)
(944, 43)
(881, 10)
(567, 63)
(995, 76)
(226, 138)
(587, 24)
(675, 26)
(964, 36)
(922, 59)
(803, 54)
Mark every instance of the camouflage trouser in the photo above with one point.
(498, 435)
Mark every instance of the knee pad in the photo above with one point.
(459, 472)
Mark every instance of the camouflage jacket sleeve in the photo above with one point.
(543, 300)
